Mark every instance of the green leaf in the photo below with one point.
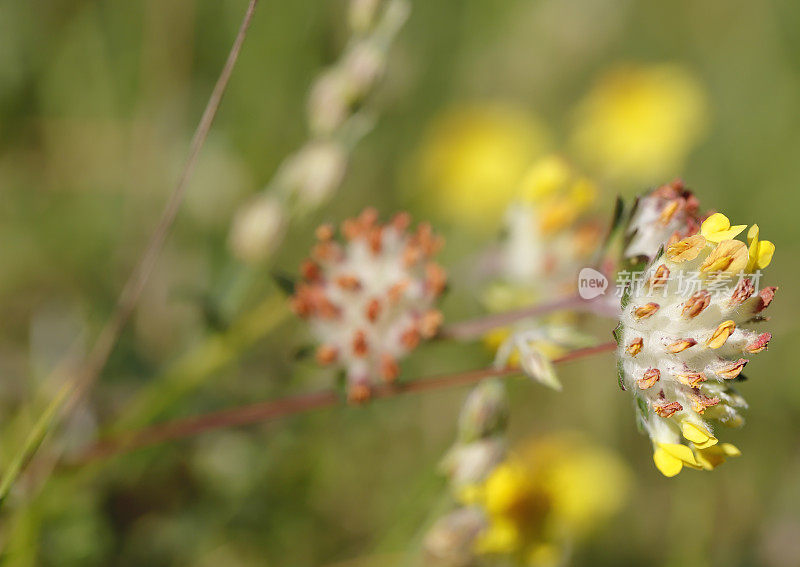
(626, 297)
(617, 333)
(642, 406)
(620, 375)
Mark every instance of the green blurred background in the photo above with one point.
(98, 102)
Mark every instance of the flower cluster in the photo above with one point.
(548, 234)
(666, 214)
(370, 301)
(678, 355)
(548, 237)
(534, 505)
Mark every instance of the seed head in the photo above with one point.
(370, 299)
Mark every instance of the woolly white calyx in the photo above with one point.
(371, 300)
(682, 341)
(668, 212)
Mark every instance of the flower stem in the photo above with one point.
(89, 369)
(292, 405)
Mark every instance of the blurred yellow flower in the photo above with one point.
(547, 495)
(472, 159)
(638, 123)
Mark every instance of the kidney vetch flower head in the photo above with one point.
(682, 340)
(370, 300)
(543, 498)
(550, 234)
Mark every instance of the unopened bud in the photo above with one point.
(485, 412)
(329, 101)
(451, 540)
(362, 66)
(315, 172)
(257, 229)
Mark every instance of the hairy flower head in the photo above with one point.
(370, 300)
(639, 122)
(684, 338)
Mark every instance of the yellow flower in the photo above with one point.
(711, 457)
(553, 491)
(727, 256)
(638, 123)
(760, 251)
(717, 228)
(472, 160)
(670, 458)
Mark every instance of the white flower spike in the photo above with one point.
(683, 340)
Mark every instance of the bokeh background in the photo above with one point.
(98, 101)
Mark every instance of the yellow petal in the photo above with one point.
(727, 256)
(680, 451)
(721, 334)
(666, 463)
(730, 450)
(759, 252)
(713, 457)
(698, 435)
(717, 228)
(506, 487)
(752, 234)
(764, 254)
(686, 249)
(710, 442)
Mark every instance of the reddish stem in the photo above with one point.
(265, 411)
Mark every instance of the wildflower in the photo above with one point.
(257, 229)
(679, 360)
(639, 122)
(548, 239)
(665, 215)
(472, 159)
(545, 497)
(370, 301)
